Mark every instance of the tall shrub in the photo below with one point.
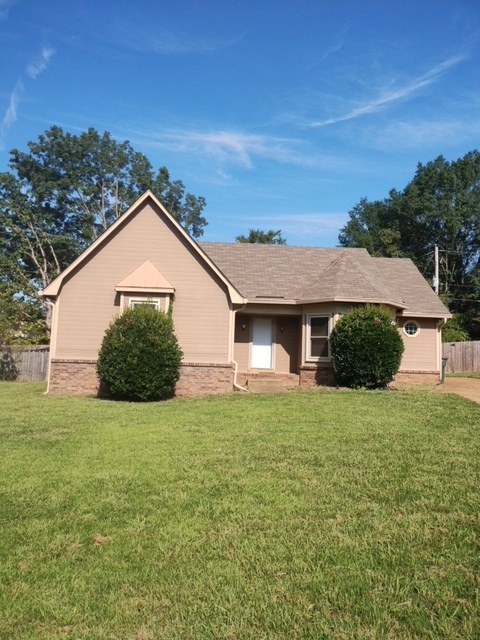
(366, 348)
(139, 359)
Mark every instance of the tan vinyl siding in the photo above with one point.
(89, 301)
(420, 350)
(241, 352)
(287, 344)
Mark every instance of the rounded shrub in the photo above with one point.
(139, 359)
(366, 348)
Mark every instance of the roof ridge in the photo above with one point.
(338, 267)
(381, 291)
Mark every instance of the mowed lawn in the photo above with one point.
(321, 515)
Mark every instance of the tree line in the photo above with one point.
(56, 200)
(62, 193)
(439, 206)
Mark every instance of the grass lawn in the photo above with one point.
(472, 374)
(321, 515)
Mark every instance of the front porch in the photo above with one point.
(268, 348)
(246, 378)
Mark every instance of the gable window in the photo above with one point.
(318, 331)
(152, 302)
(411, 328)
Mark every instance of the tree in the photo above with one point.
(439, 206)
(257, 236)
(139, 359)
(453, 331)
(366, 348)
(64, 192)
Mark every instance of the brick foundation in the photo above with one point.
(417, 377)
(79, 378)
(313, 376)
(73, 377)
(202, 379)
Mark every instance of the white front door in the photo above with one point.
(261, 357)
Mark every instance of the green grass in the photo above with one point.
(320, 515)
(472, 374)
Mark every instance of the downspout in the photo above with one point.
(50, 350)
(441, 361)
(235, 363)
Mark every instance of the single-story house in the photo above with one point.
(240, 311)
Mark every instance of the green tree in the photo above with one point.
(439, 206)
(453, 331)
(139, 359)
(257, 236)
(64, 192)
(366, 348)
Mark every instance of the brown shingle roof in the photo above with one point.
(308, 274)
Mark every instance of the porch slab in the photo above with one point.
(266, 386)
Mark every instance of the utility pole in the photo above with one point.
(436, 283)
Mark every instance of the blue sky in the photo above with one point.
(282, 114)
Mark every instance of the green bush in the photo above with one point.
(139, 359)
(366, 348)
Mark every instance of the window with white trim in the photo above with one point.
(411, 328)
(318, 331)
(152, 302)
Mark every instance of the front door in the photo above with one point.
(261, 356)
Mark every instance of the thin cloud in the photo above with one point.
(37, 66)
(33, 70)
(11, 113)
(144, 37)
(237, 148)
(175, 43)
(229, 147)
(335, 47)
(392, 96)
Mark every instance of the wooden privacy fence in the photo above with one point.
(29, 363)
(463, 357)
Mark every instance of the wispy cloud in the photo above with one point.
(334, 48)
(11, 113)
(143, 36)
(390, 96)
(236, 148)
(168, 42)
(33, 69)
(37, 66)
(228, 147)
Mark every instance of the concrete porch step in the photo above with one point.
(266, 386)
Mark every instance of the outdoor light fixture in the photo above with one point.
(282, 328)
(244, 326)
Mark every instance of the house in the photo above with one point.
(240, 311)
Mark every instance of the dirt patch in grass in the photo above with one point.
(466, 387)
